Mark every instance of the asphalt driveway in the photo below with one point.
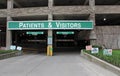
(59, 65)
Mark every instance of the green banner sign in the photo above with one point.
(65, 32)
(33, 25)
(34, 33)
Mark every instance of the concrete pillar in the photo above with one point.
(8, 33)
(0, 39)
(92, 36)
(10, 4)
(92, 11)
(50, 18)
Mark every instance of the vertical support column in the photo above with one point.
(50, 32)
(8, 32)
(92, 17)
(92, 12)
(0, 39)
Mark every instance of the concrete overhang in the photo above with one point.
(113, 9)
(70, 17)
(60, 10)
(29, 11)
(71, 10)
(3, 13)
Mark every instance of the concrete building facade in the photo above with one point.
(105, 15)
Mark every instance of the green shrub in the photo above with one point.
(114, 59)
(5, 51)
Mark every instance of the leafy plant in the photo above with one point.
(114, 59)
(5, 51)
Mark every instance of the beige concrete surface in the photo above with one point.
(61, 64)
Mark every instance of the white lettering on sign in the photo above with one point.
(68, 25)
(31, 25)
(19, 25)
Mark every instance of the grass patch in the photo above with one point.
(114, 59)
(5, 51)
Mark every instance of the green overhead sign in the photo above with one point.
(33, 25)
(65, 32)
(34, 33)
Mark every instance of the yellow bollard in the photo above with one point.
(48, 52)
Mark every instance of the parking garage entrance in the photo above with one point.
(30, 40)
(70, 40)
(50, 35)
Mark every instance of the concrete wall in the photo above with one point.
(108, 36)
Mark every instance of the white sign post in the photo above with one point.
(19, 48)
(89, 47)
(95, 50)
(107, 52)
(12, 47)
(50, 40)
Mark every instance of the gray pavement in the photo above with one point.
(59, 65)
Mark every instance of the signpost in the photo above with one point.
(49, 40)
(95, 50)
(31, 25)
(12, 47)
(107, 52)
(19, 48)
(89, 47)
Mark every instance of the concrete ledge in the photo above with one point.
(12, 54)
(102, 63)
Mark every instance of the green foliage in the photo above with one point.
(5, 51)
(97, 46)
(114, 59)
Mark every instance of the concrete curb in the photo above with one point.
(12, 54)
(102, 63)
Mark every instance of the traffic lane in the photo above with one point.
(58, 65)
(69, 65)
(20, 66)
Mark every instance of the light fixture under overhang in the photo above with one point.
(104, 19)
